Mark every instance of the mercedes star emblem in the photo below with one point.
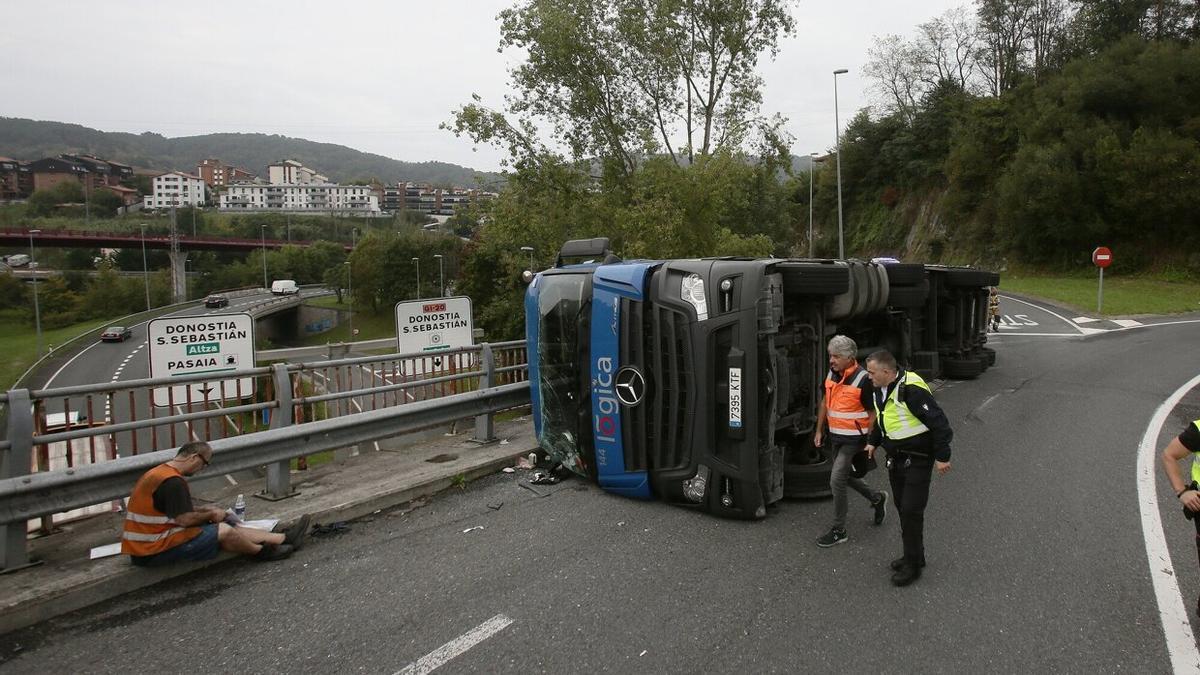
(631, 386)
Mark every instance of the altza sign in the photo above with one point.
(192, 345)
(433, 325)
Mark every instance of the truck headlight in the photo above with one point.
(694, 488)
(691, 289)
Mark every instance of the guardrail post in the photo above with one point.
(279, 477)
(16, 462)
(485, 425)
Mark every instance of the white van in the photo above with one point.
(284, 287)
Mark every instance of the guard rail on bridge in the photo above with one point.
(55, 455)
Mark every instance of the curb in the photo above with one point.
(106, 585)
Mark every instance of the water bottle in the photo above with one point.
(239, 507)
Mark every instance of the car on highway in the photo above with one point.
(216, 301)
(116, 334)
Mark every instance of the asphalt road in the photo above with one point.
(1037, 558)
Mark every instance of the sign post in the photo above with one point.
(190, 345)
(1101, 257)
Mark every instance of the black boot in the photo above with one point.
(907, 574)
(899, 562)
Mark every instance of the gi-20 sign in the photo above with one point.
(433, 325)
(192, 345)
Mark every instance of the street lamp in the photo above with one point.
(811, 170)
(145, 270)
(350, 296)
(441, 278)
(264, 255)
(837, 125)
(418, 262)
(529, 250)
(37, 313)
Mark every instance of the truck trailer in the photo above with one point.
(697, 382)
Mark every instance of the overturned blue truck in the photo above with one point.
(698, 381)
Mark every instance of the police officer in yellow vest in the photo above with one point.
(913, 430)
(1187, 443)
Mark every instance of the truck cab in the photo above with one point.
(698, 381)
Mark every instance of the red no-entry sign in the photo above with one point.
(1102, 257)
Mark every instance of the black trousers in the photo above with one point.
(910, 476)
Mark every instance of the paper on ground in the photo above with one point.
(105, 551)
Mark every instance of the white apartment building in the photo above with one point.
(175, 189)
(291, 172)
(304, 198)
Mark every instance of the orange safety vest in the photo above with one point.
(147, 530)
(843, 403)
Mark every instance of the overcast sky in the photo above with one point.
(377, 76)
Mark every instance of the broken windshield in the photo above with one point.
(562, 368)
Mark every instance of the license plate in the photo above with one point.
(735, 398)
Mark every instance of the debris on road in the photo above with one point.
(472, 529)
(496, 506)
(527, 486)
(509, 469)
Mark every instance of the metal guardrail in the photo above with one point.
(312, 398)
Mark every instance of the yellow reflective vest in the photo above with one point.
(1196, 459)
(896, 419)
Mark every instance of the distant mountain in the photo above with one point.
(32, 139)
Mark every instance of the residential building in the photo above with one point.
(128, 196)
(102, 171)
(218, 174)
(51, 171)
(291, 172)
(425, 198)
(176, 188)
(303, 198)
(16, 179)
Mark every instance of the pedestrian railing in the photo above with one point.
(59, 441)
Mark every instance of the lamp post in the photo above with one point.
(145, 269)
(811, 170)
(37, 314)
(837, 125)
(418, 262)
(441, 277)
(185, 277)
(350, 296)
(529, 250)
(264, 255)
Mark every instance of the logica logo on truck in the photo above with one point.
(605, 419)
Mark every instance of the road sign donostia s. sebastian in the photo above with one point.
(210, 344)
(1102, 257)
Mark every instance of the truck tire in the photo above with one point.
(961, 369)
(966, 278)
(813, 278)
(811, 480)
(904, 297)
(904, 274)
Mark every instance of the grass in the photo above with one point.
(1123, 295)
(18, 342)
(370, 326)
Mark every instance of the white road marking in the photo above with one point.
(456, 647)
(1177, 629)
(1060, 316)
(1084, 319)
(1127, 323)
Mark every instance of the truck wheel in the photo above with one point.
(991, 355)
(808, 481)
(966, 278)
(904, 274)
(961, 369)
(814, 278)
(908, 296)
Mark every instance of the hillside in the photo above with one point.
(26, 139)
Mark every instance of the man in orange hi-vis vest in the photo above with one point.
(847, 410)
(162, 526)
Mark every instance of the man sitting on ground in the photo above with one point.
(162, 526)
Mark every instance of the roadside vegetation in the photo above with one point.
(1123, 295)
(18, 342)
